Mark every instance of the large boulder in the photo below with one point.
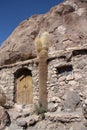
(71, 101)
(66, 24)
(4, 118)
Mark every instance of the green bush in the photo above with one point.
(39, 110)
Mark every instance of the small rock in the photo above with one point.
(18, 107)
(32, 120)
(55, 100)
(67, 43)
(59, 109)
(71, 100)
(62, 78)
(69, 77)
(80, 11)
(14, 126)
(64, 117)
(61, 29)
(14, 114)
(73, 83)
(77, 76)
(52, 107)
(21, 122)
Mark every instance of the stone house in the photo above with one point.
(66, 70)
(67, 60)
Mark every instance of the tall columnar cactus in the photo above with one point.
(42, 46)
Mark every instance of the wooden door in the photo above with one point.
(24, 90)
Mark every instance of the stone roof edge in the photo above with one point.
(35, 60)
(62, 52)
(51, 56)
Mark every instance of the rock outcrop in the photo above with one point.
(66, 24)
(4, 118)
(67, 110)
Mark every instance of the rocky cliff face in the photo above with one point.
(66, 23)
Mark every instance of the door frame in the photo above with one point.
(22, 71)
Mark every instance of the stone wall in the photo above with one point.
(62, 76)
(8, 80)
(71, 75)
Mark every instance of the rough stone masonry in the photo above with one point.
(67, 63)
(62, 75)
